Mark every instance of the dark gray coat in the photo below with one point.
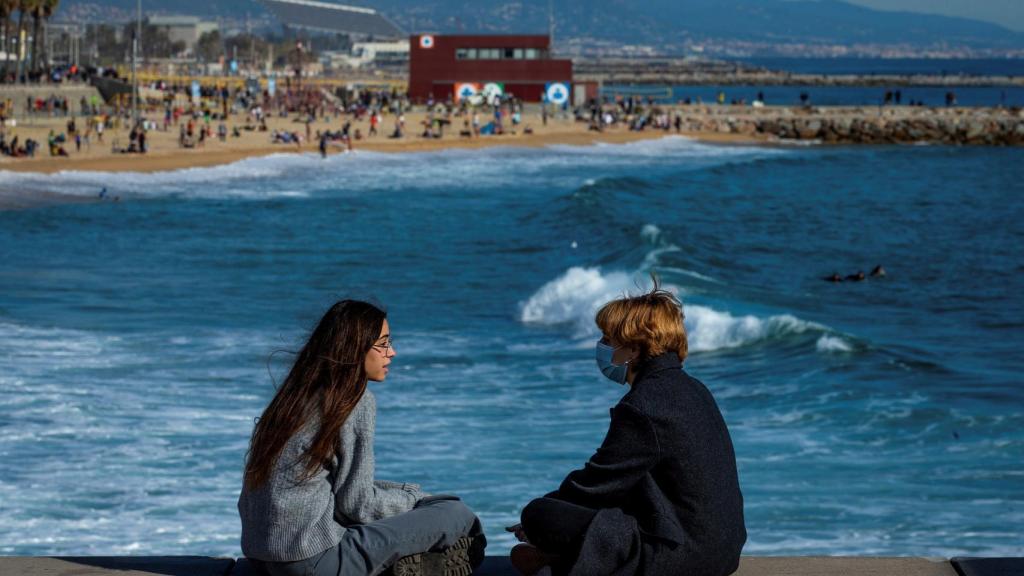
(664, 481)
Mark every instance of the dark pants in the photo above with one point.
(557, 527)
(369, 549)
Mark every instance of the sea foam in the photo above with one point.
(828, 343)
(574, 298)
(284, 175)
(709, 329)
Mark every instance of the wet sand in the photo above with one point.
(165, 154)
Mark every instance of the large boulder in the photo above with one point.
(975, 130)
(841, 125)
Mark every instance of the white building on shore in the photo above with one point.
(370, 54)
(185, 29)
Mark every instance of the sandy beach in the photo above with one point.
(165, 153)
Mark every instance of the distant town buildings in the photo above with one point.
(187, 29)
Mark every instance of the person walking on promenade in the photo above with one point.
(310, 504)
(661, 495)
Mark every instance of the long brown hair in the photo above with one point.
(326, 382)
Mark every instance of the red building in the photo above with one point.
(522, 65)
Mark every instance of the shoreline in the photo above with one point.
(709, 124)
(175, 159)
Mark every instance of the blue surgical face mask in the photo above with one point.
(614, 372)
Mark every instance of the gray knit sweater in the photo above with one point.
(285, 520)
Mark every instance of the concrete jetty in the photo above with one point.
(500, 566)
(860, 124)
(699, 72)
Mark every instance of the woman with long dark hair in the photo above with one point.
(661, 494)
(310, 504)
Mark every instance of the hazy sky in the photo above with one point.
(1008, 13)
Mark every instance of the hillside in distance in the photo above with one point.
(655, 22)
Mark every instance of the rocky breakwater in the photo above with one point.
(702, 72)
(862, 125)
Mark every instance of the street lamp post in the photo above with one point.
(136, 38)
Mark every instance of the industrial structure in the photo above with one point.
(381, 55)
(454, 67)
(333, 18)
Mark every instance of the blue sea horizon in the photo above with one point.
(139, 339)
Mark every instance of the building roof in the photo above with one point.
(331, 17)
(173, 20)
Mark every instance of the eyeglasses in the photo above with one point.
(387, 346)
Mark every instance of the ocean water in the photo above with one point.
(966, 96)
(897, 66)
(139, 338)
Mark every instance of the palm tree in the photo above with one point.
(25, 7)
(51, 9)
(44, 9)
(7, 9)
(37, 16)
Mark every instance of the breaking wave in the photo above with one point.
(573, 299)
(284, 175)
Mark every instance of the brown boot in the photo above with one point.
(529, 559)
(458, 560)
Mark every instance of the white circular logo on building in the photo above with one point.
(426, 41)
(557, 93)
(465, 91)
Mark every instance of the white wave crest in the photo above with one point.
(575, 297)
(245, 179)
(689, 273)
(650, 233)
(303, 174)
(709, 329)
(659, 147)
(829, 343)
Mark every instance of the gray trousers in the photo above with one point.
(437, 522)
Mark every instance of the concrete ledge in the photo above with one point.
(243, 567)
(843, 566)
(111, 565)
(967, 566)
(500, 566)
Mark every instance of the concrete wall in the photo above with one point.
(500, 566)
(73, 92)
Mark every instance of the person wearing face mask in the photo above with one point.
(661, 494)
